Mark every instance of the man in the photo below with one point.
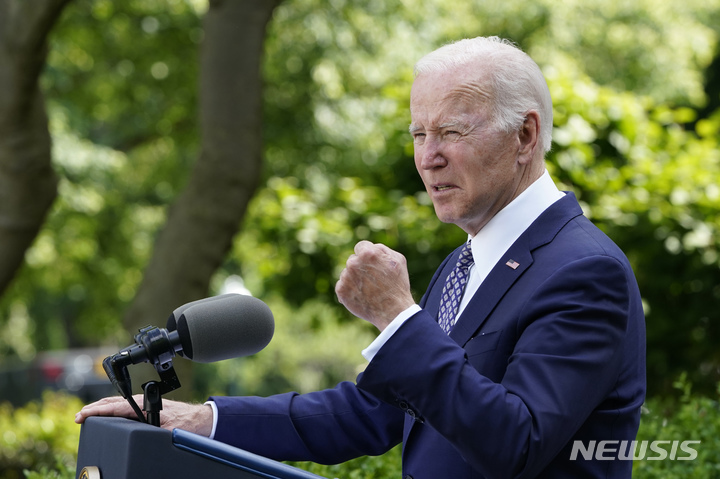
(529, 339)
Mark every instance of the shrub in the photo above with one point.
(40, 436)
(691, 418)
(387, 466)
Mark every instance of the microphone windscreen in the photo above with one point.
(224, 327)
(171, 324)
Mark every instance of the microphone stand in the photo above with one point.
(152, 346)
(153, 391)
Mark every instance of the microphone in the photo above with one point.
(206, 330)
(222, 327)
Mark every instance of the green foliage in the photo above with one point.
(387, 466)
(61, 471)
(40, 436)
(633, 140)
(636, 138)
(312, 349)
(691, 418)
(124, 73)
(651, 184)
(642, 163)
(121, 87)
(296, 240)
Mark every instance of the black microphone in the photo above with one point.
(222, 327)
(206, 330)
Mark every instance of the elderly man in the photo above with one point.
(529, 341)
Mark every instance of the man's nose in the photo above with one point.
(431, 155)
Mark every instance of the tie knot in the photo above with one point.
(466, 257)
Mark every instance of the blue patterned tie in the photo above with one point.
(453, 290)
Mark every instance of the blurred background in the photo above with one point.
(155, 152)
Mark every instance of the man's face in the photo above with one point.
(469, 167)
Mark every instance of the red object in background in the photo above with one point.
(51, 371)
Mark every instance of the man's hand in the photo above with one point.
(375, 285)
(197, 418)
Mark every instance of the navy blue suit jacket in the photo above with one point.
(545, 354)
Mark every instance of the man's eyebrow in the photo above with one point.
(449, 124)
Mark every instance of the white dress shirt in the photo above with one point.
(488, 247)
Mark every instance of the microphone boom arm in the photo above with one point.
(153, 345)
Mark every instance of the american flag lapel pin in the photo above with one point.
(512, 263)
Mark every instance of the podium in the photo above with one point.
(118, 448)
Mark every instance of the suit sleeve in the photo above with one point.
(327, 427)
(570, 331)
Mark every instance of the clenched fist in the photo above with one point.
(375, 284)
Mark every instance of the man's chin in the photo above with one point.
(447, 217)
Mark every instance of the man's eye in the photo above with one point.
(419, 137)
(452, 135)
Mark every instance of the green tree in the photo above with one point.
(636, 140)
(204, 217)
(636, 119)
(27, 181)
(627, 142)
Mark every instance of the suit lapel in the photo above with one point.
(508, 270)
(498, 281)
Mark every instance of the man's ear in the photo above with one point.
(529, 136)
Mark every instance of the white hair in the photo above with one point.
(518, 84)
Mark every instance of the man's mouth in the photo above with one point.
(443, 187)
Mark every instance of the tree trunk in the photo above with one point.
(28, 184)
(204, 218)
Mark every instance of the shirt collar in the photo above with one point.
(496, 237)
